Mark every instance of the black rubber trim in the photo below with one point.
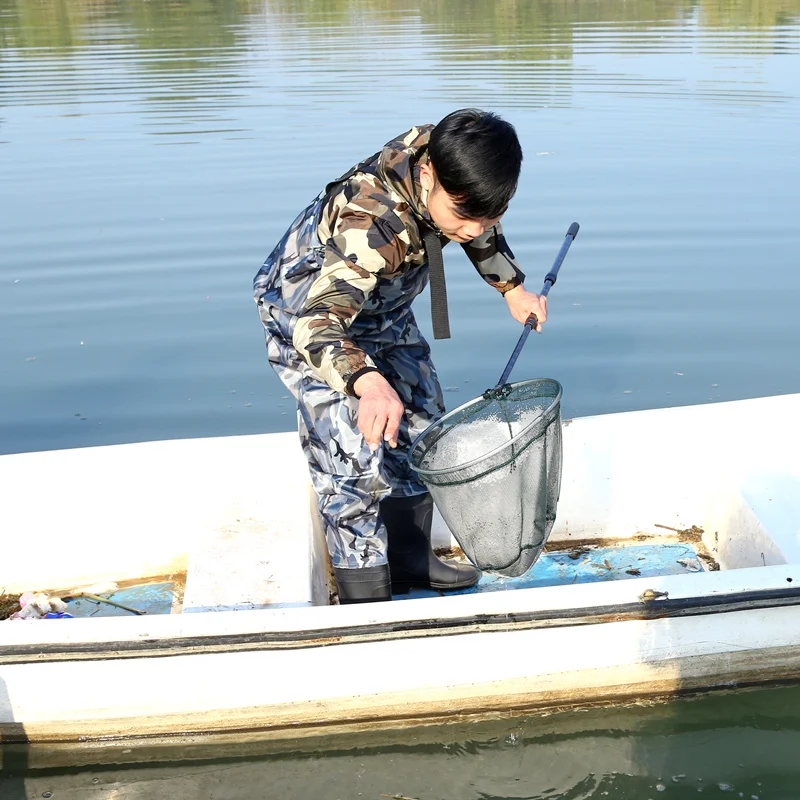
(348, 389)
(482, 623)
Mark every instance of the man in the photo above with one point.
(335, 296)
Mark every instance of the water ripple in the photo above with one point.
(152, 155)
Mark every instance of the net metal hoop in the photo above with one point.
(543, 420)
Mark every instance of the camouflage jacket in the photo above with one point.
(369, 227)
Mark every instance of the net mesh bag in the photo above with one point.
(493, 467)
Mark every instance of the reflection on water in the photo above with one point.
(187, 25)
(153, 152)
(733, 745)
(527, 48)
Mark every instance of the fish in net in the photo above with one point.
(493, 466)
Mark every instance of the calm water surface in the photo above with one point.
(151, 153)
(723, 746)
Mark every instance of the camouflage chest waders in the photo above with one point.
(348, 478)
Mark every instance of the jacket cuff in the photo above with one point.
(348, 388)
(512, 284)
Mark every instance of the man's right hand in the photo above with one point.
(379, 410)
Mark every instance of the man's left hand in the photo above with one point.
(522, 304)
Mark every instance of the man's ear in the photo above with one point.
(427, 177)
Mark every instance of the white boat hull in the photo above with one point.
(292, 666)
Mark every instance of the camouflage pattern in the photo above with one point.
(368, 261)
(335, 296)
(349, 479)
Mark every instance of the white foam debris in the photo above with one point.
(37, 605)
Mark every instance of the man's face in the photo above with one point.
(442, 209)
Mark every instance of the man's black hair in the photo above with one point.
(477, 157)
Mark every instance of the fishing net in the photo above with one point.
(493, 467)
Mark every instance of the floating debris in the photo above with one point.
(694, 532)
(577, 553)
(9, 605)
(37, 605)
(399, 796)
(709, 561)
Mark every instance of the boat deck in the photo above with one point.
(643, 556)
(148, 597)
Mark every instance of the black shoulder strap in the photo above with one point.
(439, 315)
(433, 247)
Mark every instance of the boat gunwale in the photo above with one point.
(659, 607)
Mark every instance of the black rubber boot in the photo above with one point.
(411, 557)
(363, 584)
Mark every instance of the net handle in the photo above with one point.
(532, 321)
